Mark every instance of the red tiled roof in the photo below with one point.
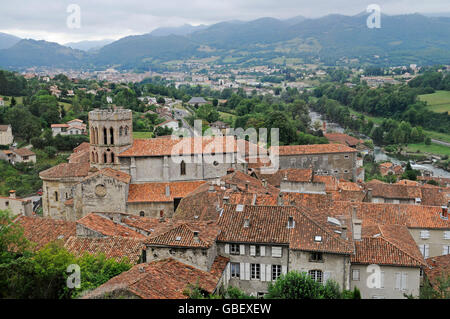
(59, 125)
(164, 279)
(63, 170)
(387, 245)
(23, 152)
(42, 231)
(156, 192)
(438, 267)
(106, 227)
(113, 173)
(291, 174)
(182, 146)
(312, 149)
(112, 247)
(342, 139)
(268, 225)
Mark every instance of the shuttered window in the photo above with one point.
(355, 274)
(424, 234)
(276, 272)
(235, 270)
(425, 250)
(447, 235)
(255, 271)
(276, 251)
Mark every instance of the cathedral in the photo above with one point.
(146, 177)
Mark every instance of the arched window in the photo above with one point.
(111, 132)
(182, 168)
(56, 196)
(316, 275)
(96, 157)
(112, 157)
(96, 135)
(105, 136)
(93, 157)
(141, 213)
(126, 130)
(105, 158)
(92, 135)
(120, 131)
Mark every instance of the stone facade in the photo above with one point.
(6, 136)
(395, 281)
(16, 206)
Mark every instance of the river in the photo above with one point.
(378, 153)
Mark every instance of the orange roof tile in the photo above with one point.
(312, 149)
(106, 227)
(156, 192)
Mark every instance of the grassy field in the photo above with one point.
(19, 100)
(142, 134)
(433, 149)
(225, 115)
(437, 102)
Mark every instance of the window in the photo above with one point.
(447, 235)
(355, 275)
(316, 257)
(276, 251)
(234, 249)
(446, 250)
(126, 130)
(346, 171)
(142, 214)
(346, 156)
(235, 270)
(424, 234)
(56, 196)
(255, 271)
(105, 136)
(276, 272)
(254, 250)
(316, 275)
(401, 279)
(6, 203)
(182, 168)
(121, 131)
(112, 157)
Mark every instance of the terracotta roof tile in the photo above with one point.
(76, 170)
(312, 149)
(156, 192)
(291, 174)
(165, 279)
(23, 152)
(438, 267)
(42, 231)
(112, 247)
(342, 139)
(105, 226)
(113, 173)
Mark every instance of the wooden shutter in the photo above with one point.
(228, 273)
(404, 280)
(427, 251)
(242, 271)
(398, 280)
(247, 271)
(268, 272)
(242, 249)
(283, 270)
(262, 250)
(227, 248)
(276, 251)
(252, 250)
(263, 272)
(382, 280)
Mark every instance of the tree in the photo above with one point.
(295, 285)
(13, 101)
(427, 140)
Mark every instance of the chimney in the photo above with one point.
(369, 195)
(280, 199)
(12, 194)
(167, 191)
(344, 232)
(357, 225)
(444, 212)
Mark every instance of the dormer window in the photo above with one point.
(291, 222)
(318, 238)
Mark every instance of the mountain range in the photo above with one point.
(333, 39)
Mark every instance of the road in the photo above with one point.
(440, 142)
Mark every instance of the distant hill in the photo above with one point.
(181, 30)
(334, 39)
(88, 45)
(7, 40)
(29, 53)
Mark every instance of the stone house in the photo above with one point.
(172, 124)
(73, 127)
(263, 242)
(387, 263)
(23, 155)
(6, 135)
(325, 159)
(16, 205)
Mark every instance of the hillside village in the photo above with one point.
(231, 222)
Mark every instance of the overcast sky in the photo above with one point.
(101, 19)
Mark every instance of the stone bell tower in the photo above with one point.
(111, 131)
